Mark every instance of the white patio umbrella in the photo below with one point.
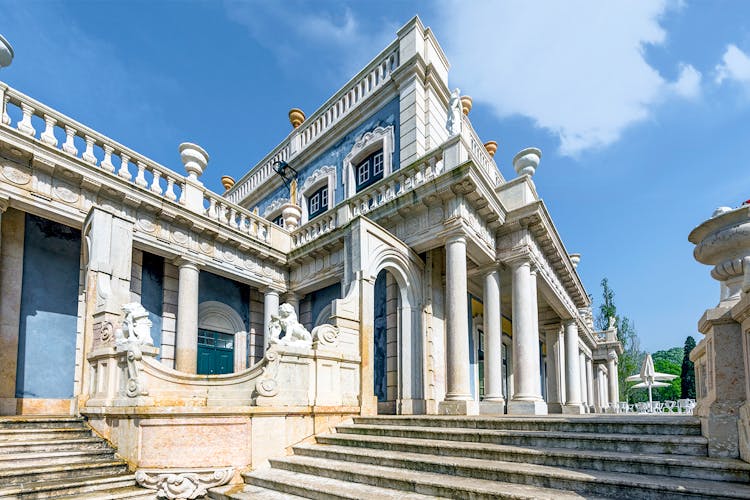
(650, 378)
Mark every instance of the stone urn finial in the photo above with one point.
(292, 214)
(194, 158)
(296, 117)
(526, 161)
(575, 258)
(491, 147)
(466, 103)
(227, 181)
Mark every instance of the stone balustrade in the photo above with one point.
(374, 76)
(314, 229)
(73, 138)
(236, 217)
(478, 153)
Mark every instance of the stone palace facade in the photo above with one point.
(417, 278)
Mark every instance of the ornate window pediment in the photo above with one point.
(364, 163)
(321, 179)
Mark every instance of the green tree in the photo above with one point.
(669, 361)
(632, 356)
(687, 389)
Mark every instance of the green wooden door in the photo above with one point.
(215, 353)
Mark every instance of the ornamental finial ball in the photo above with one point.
(526, 161)
(194, 158)
(6, 52)
(466, 104)
(575, 258)
(227, 181)
(491, 147)
(296, 117)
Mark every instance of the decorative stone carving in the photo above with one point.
(134, 334)
(16, 175)
(267, 385)
(274, 206)
(526, 161)
(183, 484)
(455, 111)
(325, 336)
(286, 330)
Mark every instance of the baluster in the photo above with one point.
(70, 145)
(6, 116)
(233, 218)
(243, 223)
(88, 155)
(182, 194)
(212, 208)
(170, 189)
(106, 163)
(25, 126)
(140, 178)
(252, 229)
(155, 186)
(48, 136)
(431, 166)
(124, 171)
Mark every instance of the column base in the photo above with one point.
(525, 407)
(494, 407)
(555, 407)
(459, 407)
(411, 406)
(578, 409)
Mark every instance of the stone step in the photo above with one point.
(7, 435)
(26, 475)
(45, 422)
(16, 460)
(129, 492)
(627, 443)
(714, 469)
(585, 482)
(56, 488)
(600, 424)
(423, 483)
(50, 445)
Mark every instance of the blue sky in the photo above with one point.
(641, 109)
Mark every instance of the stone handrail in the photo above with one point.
(341, 104)
(479, 153)
(314, 229)
(332, 111)
(97, 150)
(236, 217)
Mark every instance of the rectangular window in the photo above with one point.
(370, 170)
(279, 221)
(377, 163)
(363, 172)
(317, 203)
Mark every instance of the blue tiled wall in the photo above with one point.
(384, 117)
(152, 292)
(220, 289)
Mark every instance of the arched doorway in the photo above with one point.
(222, 339)
(397, 336)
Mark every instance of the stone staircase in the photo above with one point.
(59, 457)
(411, 457)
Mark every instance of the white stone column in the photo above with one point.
(458, 399)
(582, 380)
(527, 397)
(614, 385)
(493, 402)
(555, 368)
(270, 307)
(572, 370)
(186, 350)
(590, 385)
(293, 300)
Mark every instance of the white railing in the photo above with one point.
(314, 229)
(337, 107)
(479, 153)
(88, 145)
(236, 217)
(374, 76)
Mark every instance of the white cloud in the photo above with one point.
(735, 65)
(576, 68)
(688, 83)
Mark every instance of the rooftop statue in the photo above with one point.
(453, 124)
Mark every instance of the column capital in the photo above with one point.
(270, 290)
(455, 236)
(186, 262)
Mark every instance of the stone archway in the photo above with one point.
(219, 317)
